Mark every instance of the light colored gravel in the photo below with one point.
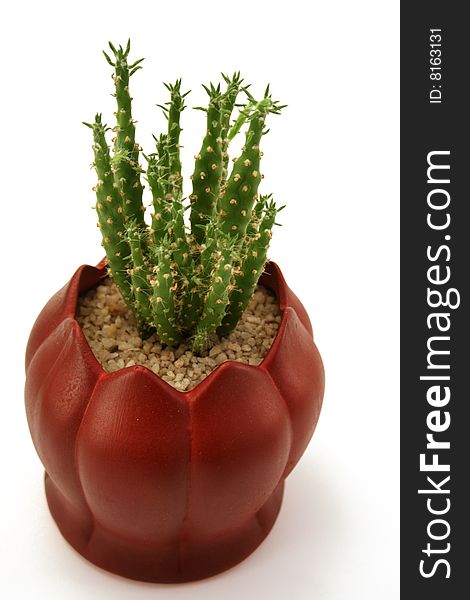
(110, 328)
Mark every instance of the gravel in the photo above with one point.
(111, 331)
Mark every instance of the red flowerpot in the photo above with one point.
(161, 485)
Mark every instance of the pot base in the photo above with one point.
(184, 560)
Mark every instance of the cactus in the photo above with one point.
(126, 150)
(241, 191)
(163, 296)
(184, 283)
(109, 211)
(217, 297)
(139, 272)
(172, 111)
(157, 174)
(228, 103)
(208, 167)
(251, 264)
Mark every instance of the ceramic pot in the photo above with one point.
(156, 484)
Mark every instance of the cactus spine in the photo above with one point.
(184, 284)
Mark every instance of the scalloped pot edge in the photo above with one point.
(157, 484)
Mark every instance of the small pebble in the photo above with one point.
(220, 358)
(215, 351)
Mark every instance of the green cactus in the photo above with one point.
(164, 296)
(172, 111)
(251, 265)
(241, 191)
(139, 272)
(126, 150)
(172, 180)
(109, 211)
(208, 167)
(185, 285)
(217, 297)
(157, 176)
(229, 99)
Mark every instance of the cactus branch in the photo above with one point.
(251, 267)
(228, 103)
(173, 111)
(217, 297)
(126, 150)
(208, 168)
(140, 273)
(157, 177)
(163, 296)
(171, 179)
(241, 191)
(109, 211)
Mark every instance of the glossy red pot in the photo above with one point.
(160, 485)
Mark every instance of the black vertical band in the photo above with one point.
(435, 274)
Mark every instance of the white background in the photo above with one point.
(332, 157)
